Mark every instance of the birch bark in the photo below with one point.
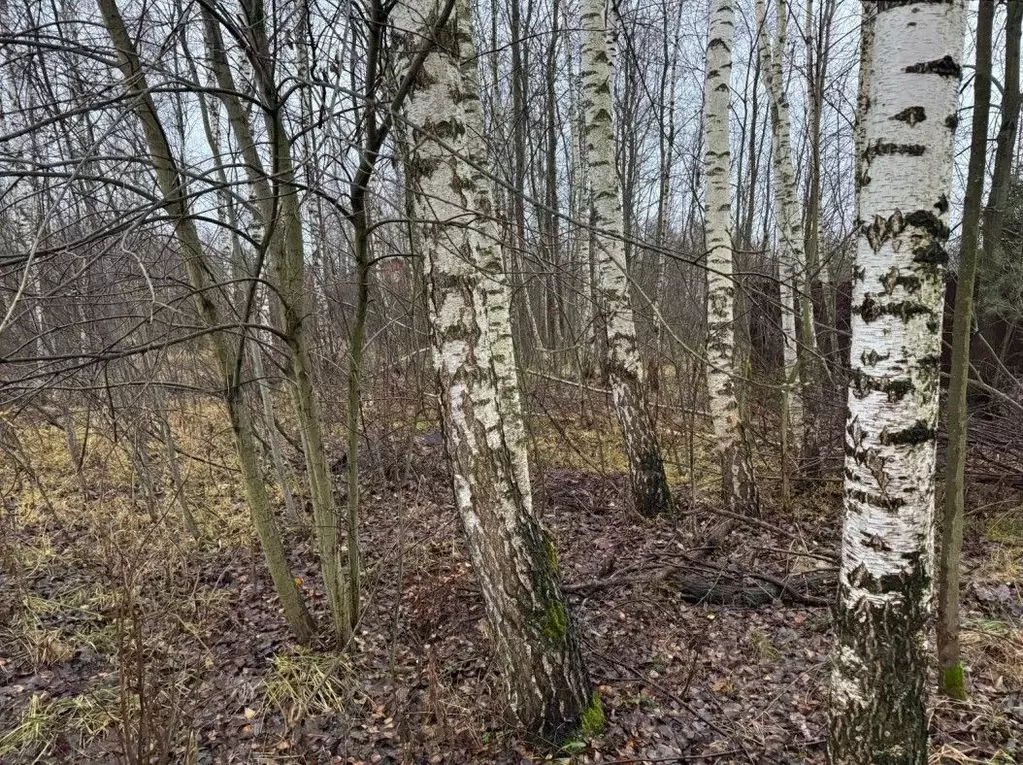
(880, 669)
(737, 485)
(512, 554)
(650, 492)
(791, 261)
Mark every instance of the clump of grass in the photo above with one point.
(305, 682)
(1007, 528)
(44, 720)
(36, 728)
(43, 646)
(33, 557)
(762, 646)
(49, 631)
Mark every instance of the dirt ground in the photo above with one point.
(123, 643)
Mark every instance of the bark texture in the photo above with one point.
(880, 668)
(791, 258)
(738, 488)
(513, 556)
(624, 368)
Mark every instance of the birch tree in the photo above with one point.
(738, 488)
(791, 259)
(650, 493)
(880, 668)
(512, 554)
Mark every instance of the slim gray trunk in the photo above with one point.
(169, 181)
(951, 679)
(1005, 147)
(281, 221)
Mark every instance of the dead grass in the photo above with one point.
(81, 718)
(995, 648)
(120, 562)
(594, 444)
(305, 682)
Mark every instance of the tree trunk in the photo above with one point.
(737, 484)
(816, 72)
(880, 668)
(650, 491)
(951, 678)
(791, 260)
(512, 554)
(168, 179)
(868, 16)
(278, 206)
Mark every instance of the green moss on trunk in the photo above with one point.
(953, 682)
(555, 625)
(552, 552)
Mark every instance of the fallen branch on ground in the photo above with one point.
(701, 582)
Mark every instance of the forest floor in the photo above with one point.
(121, 641)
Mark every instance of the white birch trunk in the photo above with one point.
(625, 370)
(880, 670)
(738, 490)
(474, 355)
(868, 13)
(791, 259)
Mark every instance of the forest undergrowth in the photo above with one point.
(124, 639)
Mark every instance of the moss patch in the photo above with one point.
(551, 552)
(555, 623)
(953, 682)
(591, 721)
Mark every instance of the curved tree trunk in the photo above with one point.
(169, 180)
(650, 492)
(513, 556)
(880, 669)
(278, 205)
(737, 484)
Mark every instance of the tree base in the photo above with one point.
(953, 682)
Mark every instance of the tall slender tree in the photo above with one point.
(951, 678)
(281, 222)
(880, 667)
(650, 493)
(737, 482)
(791, 259)
(170, 183)
(994, 255)
(474, 354)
